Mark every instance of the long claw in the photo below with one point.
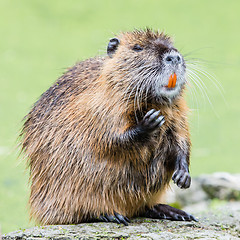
(122, 219)
(102, 218)
(112, 218)
(116, 218)
(193, 218)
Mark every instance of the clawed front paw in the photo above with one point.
(152, 120)
(182, 178)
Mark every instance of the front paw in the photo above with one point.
(182, 178)
(151, 121)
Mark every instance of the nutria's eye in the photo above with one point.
(137, 48)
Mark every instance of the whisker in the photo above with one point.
(194, 51)
(212, 78)
(195, 77)
(196, 82)
(148, 79)
(193, 92)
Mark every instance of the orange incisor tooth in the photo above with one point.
(172, 81)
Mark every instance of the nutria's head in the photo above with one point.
(147, 63)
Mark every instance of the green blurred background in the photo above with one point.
(40, 39)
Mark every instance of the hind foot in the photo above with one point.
(162, 211)
(116, 218)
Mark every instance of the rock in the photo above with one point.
(223, 186)
(198, 207)
(184, 197)
(217, 219)
(219, 223)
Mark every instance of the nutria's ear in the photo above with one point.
(112, 46)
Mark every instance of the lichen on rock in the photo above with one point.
(217, 219)
(220, 223)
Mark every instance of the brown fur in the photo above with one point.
(78, 168)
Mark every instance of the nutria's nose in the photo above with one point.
(173, 59)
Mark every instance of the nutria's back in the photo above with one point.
(90, 149)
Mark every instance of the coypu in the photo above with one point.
(105, 140)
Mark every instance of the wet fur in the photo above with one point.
(81, 163)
